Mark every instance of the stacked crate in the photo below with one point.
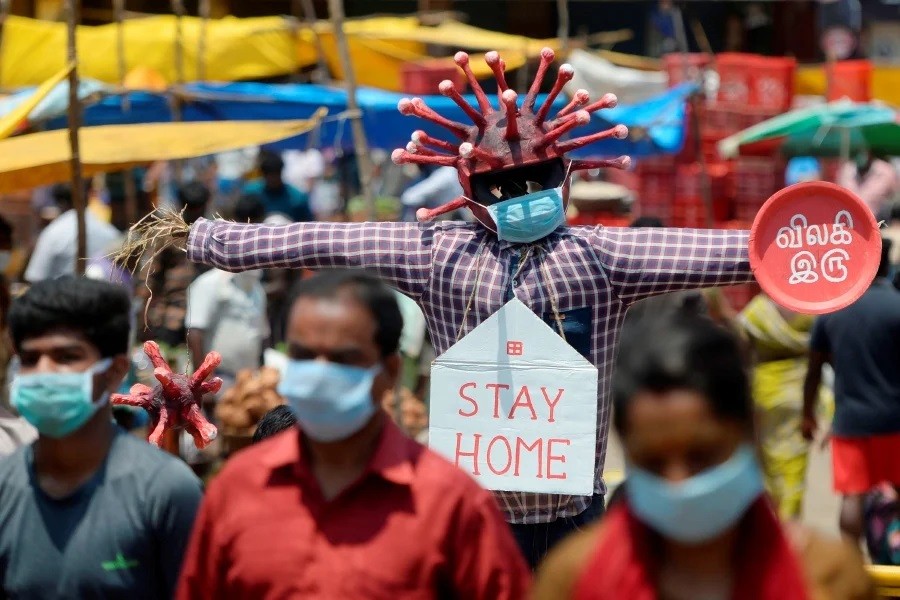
(756, 179)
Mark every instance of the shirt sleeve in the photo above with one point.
(176, 494)
(399, 253)
(202, 573)
(818, 339)
(487, 564)
(644, 262)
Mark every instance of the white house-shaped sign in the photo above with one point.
(516, 407)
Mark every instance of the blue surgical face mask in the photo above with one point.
(701, 507)
(528, 218)
(58, 404)
(331, 401)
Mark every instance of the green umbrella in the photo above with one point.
(837, 129)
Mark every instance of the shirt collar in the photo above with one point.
(392, 459)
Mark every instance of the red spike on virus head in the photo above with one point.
(468, 151)
(448, 89)
(400, 157)
(580, 98)
(547, 56)
(565, 74)
(509, 98)
(417, 107)
(509, 152)
(462, 59)
(414, 148)
(623, 162)
(175, 401)
(619, 132)
(607, 101)
(580, 118)
(493, 60)
(422, 139)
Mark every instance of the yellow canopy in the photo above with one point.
(43, 158)
(236, 49)
(11, 121)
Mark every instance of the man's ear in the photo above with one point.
(117, 372)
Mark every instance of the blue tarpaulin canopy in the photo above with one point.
(657, 125)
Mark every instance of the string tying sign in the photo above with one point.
(815, 247)
(515, 406)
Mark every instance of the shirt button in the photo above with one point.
(515, 283)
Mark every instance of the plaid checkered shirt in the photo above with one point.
(596, 269)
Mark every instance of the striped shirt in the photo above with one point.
(589, 275)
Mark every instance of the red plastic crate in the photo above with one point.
(773, 83)
(721, 183)
(690, 211)
(735, 78)
(721, 122)
(675, 67)
(423, 77)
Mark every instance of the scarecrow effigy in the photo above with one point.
(577, 281)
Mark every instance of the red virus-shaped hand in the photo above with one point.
(175, 401)
(499, 143)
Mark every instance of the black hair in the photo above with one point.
(270, 163)
(366, 289)
(647, 221)
(193, 194)
(98, 309)
(275, 421)
(62, 194)
(249, 209)
(895, 211)
(688, 352)
(884, 267)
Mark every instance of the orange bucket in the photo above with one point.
(850, 79)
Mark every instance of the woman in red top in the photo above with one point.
(693, 523)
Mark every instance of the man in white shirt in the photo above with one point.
(54, 253)
(226, 312)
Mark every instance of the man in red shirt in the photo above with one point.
(345, 505)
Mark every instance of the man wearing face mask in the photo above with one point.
(87, 511)
(346, 506)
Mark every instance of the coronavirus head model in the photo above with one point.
(175, 401)
(510, 152)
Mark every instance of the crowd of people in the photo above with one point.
(333, 498)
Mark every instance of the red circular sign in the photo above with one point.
(814, 247)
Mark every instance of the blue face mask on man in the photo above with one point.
(331, 401)
(701, 507)
(58, 404)
(528, 218)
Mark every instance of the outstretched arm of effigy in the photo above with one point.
(400, 253)
(646, 262)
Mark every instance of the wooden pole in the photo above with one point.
(78, 196)
(5, 6)
(366, 168)
(305, 10)
(562, 32)
(130, 188)
(178, 9)
(204, 10)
